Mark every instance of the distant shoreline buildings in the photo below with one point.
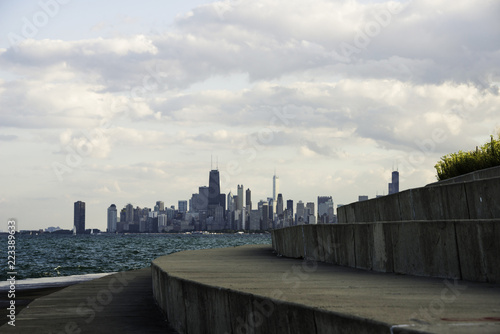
(210, 210)
(213, 211)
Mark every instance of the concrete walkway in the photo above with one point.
(249, 289)
(118, 303)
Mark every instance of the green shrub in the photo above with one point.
(456, 164)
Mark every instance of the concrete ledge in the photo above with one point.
(249, 289)
(482, 174)
(460, 249)
(477, 199)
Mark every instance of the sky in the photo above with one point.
(116, 102)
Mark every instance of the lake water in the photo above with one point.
(49, 255)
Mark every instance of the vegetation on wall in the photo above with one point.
(456, 164)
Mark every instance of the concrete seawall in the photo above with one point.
(461, 249)
(466, 200)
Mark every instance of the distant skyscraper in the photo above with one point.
(230, 202)
(248, 200)
(161, 205)
(276, 186)
(202, 199)
(325, 209)
(310, 208)
(213, 187)
(362, 198)
(79, 217)
(300, 210)
(182, 206)
(112, 217)
(394, 185)
(129, 213)
(289, 207)
(279, 205)
(239, 205)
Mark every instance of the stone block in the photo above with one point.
(388, 209)
(483, 198)
(363, 241)
(479, 250)
(425, 249)
(382, 255)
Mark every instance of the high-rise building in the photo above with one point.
(129, 213)
(112, 218)
(239, 204)
(325, 209)
(79, 217)
(213, 187)
(162, 222)
(265, 216)
(230, 202)
(300, 211)
(289, 207)
(248, 200)
(276, 186)
(394, 185)
(310, 209)
(182, 206)
(202, 199)
(362, 198)
(161, 205)
(279, 205)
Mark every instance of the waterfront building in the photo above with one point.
(162, 223)
(79, 217)
(112, 218)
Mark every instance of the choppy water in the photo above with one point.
(49, 255)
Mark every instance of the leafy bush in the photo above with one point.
(456, 164)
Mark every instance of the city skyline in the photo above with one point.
(122, 101)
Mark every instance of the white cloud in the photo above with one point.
(258, 83)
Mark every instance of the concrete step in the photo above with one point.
(250, 289)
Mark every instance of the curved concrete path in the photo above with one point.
(118, 303)
(249, 289)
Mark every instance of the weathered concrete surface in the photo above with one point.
(483, 198)
(467, 200)
(258, 292)
(479, 250)
(119, 303)
(482, 174)
(461, 249)
(425, 248)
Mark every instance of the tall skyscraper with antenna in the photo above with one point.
(276, 186)
(394, 185)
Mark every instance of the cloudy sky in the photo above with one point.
(126, 101)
